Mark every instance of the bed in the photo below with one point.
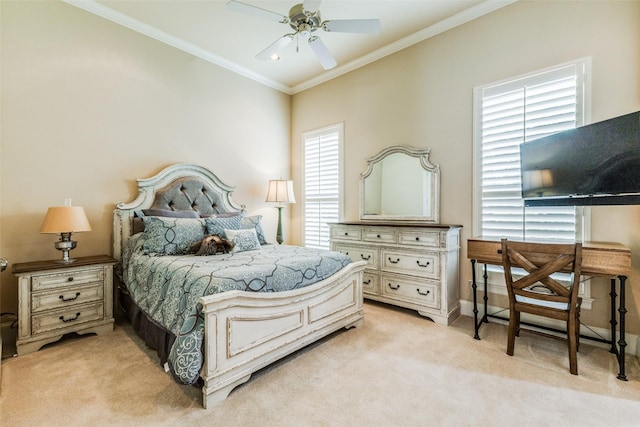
(242, 310)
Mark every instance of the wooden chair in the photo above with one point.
(537, 293)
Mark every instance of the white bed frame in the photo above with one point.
(246, 331)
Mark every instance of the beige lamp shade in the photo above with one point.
(65, 219)
(280, 191)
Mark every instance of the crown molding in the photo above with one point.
(148, 30)
(440, 27)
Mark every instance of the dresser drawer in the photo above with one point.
(48, 281)
(419, 238)
(413, 291)
(358, 253)
(346, 233)
(425, 265)
(68, 317)
(379, 236)
(369, 283)
(73, 295)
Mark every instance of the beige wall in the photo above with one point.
(422, 96)
(89, 106)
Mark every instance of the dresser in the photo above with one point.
(55, 299)
(410, 264)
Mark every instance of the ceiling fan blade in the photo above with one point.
(275, 47)
(311, 6)
(363, 26)
(257, 11)
(322, 53)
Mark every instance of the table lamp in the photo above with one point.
(280, 192)
(65, 220)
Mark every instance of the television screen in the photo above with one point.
(589, 165)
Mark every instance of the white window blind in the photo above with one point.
(322, 184)
(506, 115)
(511, 113)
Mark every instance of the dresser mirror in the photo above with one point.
(400, 184)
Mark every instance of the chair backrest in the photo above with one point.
(541, 260)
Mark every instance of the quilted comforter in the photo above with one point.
(167, 288)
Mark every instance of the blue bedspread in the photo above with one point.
(167, 288)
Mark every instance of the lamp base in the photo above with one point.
(279, 238)
(65, 244)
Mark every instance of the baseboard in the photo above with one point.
(633, 341)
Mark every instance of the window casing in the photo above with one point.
(507, 114)
(323, 189)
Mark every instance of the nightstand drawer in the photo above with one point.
(48, 281)
(72, 316)
(66, 297)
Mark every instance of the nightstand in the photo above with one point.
(55, 299)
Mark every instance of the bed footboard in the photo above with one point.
(247, 331)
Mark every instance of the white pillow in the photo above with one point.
(244, 240)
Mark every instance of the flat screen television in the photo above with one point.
(597, 164)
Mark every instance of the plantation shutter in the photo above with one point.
(322, 186)
(516, 112)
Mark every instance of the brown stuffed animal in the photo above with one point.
(213, 245)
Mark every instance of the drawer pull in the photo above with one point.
(396, 288)
(69, 299)
(365, 258)
(378, 236)
(368, 282)
(425, 294)
(69, 279)
(423, 265)
(394, 262)
(417, 239)
(346, 234)
(71, 319)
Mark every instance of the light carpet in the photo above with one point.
(398, 369)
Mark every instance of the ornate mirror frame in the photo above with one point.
(431, 194)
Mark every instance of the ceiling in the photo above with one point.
(210, 30)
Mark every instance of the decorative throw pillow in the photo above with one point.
(216, 225)
(171, 236)
(243, 240)
(212, 245)
(255, 222)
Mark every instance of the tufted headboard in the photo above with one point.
(182, 186)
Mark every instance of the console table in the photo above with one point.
(599, 259)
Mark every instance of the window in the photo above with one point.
(322, 183)
(506, 114)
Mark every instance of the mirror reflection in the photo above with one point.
(400, 184)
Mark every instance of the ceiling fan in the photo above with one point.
(305, 19)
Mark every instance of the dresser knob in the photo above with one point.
(69, 279)
(378, 236)
(417, 239)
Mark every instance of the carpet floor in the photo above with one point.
(398, 369)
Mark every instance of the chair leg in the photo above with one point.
(573, 348)
(514, 324)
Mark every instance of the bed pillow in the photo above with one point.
(216, 225)
(171, 236)
(255, 222)
(243, 240)
(170, 213)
